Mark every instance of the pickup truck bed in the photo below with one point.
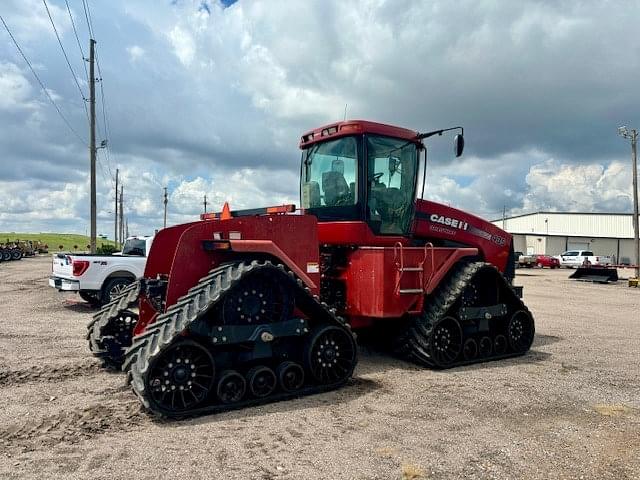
(99, 277)
(578, 258)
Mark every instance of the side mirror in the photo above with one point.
(393, 165)
(458, 144)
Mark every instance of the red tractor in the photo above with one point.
(252, 306)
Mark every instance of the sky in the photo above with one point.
(211, 97)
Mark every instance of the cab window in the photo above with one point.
(391, 167)
(330, 174)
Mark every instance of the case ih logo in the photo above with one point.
(449, 222)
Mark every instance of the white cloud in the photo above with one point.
(217, 99)
(586, 188)
(28, 19)
(135, 52)
(15, 89)
(548, 185)
(183, 45)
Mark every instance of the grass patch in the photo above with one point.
(54, 240)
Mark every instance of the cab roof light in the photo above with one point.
(227, 213)
(290, 208)
(308, 137)
(329, 131)
(351, 127)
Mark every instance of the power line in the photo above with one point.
(104, 118)
(87, 16)
(104, 173)
(75, 32)
(44, 89)
(75, 78)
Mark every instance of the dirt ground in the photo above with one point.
(568, 409)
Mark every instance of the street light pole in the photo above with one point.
(633, 136)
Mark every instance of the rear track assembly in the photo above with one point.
(111, 329)
(473, 316)
(236, 340)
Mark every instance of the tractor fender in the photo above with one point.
(270, 248)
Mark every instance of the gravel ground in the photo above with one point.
(568, 409)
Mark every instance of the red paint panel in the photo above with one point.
(296, 235)
(267, 246)
(146, 316)
(434, 220)
(163, 247)
(373, 279)
(354, 233)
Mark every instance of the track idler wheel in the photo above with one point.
(257, 299)
(485, 347)
(180, 379)
(521, 331)
(231, 387)
(446, 342)
(117, 336)
(330, 355)
(290, 376)
(470, 349)
(262, 381)
(500, 345)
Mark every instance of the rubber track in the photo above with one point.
(126, 300)
(414, 343)
(199, 299)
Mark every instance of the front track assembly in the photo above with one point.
(474, 316)
(110, 331)
(246, 334)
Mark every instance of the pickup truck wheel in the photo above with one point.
(92, 298)
(113, 288)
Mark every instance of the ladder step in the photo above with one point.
(411, 269)
(411, 290)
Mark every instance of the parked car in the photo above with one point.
(578, 258)
(547, 261)
(524, 260)
(98, 278)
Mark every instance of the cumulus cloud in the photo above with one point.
(136, 52)
(585, 188)
(214, 99)
(15, 89)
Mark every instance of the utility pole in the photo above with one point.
(165, 207)
(115, 220)
(126, 228)
(636, 229)
(633, 136)
(504, 215)
(121, 214)
(92, 141)
(205, 203)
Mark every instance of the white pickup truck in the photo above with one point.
(98, 278)
(578, 258)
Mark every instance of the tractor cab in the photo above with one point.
(363, 171)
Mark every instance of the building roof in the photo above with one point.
(570, 224)
(548, 212)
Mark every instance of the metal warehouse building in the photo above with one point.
(553, 233)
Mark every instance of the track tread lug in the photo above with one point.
(414, 343)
